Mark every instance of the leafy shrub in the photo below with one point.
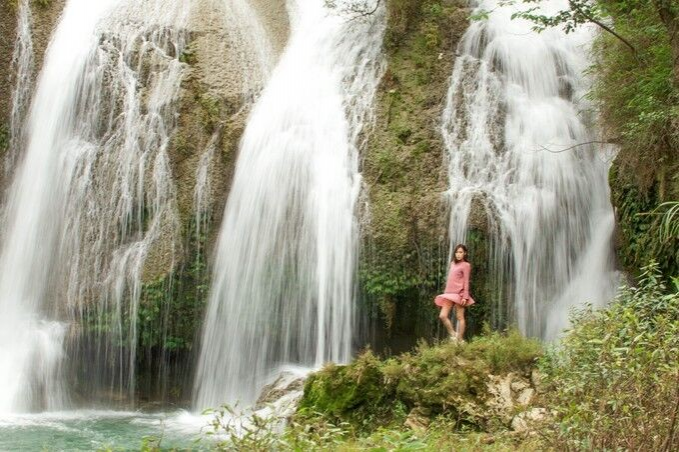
(614, 379)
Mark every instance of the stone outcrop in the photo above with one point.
(44, 19)
(222, 81)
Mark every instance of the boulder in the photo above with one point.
(286, 384)
(528, 420)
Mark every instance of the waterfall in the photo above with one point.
(251, 53)
(92, 203)
(519, 140)
(21, 71)
(283, 282)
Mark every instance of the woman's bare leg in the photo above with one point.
(444, 316)
(461, 324)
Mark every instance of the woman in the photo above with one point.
(456, 294)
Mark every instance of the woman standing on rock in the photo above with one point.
(456, 294)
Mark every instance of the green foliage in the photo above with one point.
(645, 228)
(443, 380)
(635, 94)
(242, 432)
(315, 433)
(614, 379)
(362, 406)
(352, 393)
(211, 111)
(578, 12)
(401, 15)
(170, 309)
(669, 220)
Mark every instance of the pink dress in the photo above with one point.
(457, 287)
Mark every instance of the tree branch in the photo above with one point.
(603, 26)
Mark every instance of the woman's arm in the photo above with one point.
(466, 270)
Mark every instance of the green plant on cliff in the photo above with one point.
(669, 220)
(643, 226)
(614, 379)
(170, 308)
(635, 94)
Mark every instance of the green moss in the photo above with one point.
(188, 56)
(638, 102)
(441, 380)
(353, 392)
(42, 3)
(211, 111)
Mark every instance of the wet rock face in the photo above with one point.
(44, 19)
(8, 21)
(231, 50)
(287, 385)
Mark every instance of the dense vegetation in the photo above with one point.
(612, 383)
(637, 93)
(614, 379)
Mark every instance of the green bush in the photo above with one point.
(614, 379)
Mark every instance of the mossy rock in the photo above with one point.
(346, 391)
(441, 380)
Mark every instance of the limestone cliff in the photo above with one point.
(405, 226)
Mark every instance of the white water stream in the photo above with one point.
(518, 135)
(283, 284)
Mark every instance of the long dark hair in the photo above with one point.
(464, 248)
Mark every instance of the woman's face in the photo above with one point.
(459, 254)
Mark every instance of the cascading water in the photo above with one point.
(283, 284)
(21, 71)
(519, 144)
(251, 52)
(92, 199)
